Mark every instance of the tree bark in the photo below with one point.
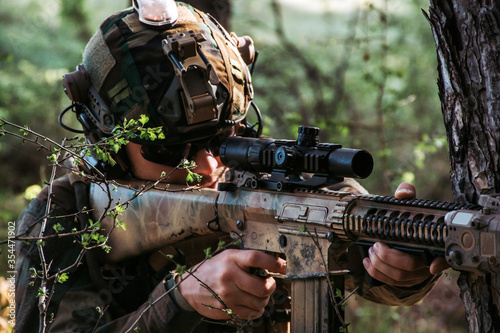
(467, 37)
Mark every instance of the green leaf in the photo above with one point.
(106, 248)
(121, 224)
(63, 278)
(41, 292)
(57, 228)
(85, 239)
(192, 177)
(52, 158)
(94, 225)
(24, 130)
(180, 269)
(119, 209)
(143, 119)
(208, 253)
(221, 245)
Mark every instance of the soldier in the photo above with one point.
(188, 75)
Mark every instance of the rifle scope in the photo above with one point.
(303, 155)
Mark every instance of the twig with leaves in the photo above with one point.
(91, 236)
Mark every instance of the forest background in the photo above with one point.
(362, 71)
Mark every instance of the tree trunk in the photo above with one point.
(467, 37)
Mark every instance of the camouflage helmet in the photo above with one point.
(191, 78)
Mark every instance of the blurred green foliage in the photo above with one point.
(365, 73)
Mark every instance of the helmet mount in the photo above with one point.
(196, 74)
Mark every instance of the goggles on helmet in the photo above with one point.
(156, 13)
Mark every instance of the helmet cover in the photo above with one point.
(132, 73)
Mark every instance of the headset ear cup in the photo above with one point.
(76, 85)
(246, 48)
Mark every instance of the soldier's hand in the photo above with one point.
(228, 276)
(397, 268)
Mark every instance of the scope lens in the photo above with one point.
(352, 163)
(362, 164)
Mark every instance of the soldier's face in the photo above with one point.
(207, 165)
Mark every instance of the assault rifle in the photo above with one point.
(274, 200)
